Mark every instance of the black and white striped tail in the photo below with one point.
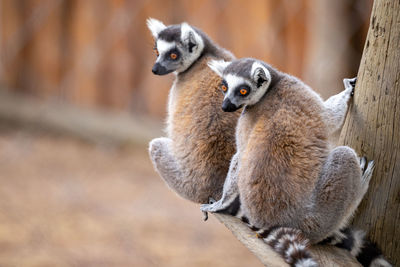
(290, 243)
(367, 253)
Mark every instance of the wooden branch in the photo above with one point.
(96, 126)
(325, 255)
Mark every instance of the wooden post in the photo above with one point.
(372, 127)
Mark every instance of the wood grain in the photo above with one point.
(372, 127)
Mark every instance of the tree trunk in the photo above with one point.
(372, 127)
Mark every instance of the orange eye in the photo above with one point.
(223, 87)
(173, 56)
(243, 91)
(156, 50)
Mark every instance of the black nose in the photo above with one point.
(227, 106)
(158, 69)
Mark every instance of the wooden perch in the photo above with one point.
(325, 255)
(372, 128)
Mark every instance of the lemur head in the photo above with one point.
(244, 81)
(176, 46)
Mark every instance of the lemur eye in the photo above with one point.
(243, 91)
(173, 56)
(224, 88)
(156, 50)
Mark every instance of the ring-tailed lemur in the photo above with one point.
(194, 159)
(283, 174)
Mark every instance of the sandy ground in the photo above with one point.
(68, 203)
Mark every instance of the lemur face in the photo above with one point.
(244, 82)
(176, 46)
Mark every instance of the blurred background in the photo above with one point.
(78, 105)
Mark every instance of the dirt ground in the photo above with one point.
(67, 203)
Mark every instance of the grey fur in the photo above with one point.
(322, 203)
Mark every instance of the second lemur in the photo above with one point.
(284, 173)
(194, 158)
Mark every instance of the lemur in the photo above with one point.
(194, 158)
(284, 175)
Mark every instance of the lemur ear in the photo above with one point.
(190, 37)
(218, 66)
(260, 74)
(155, 26)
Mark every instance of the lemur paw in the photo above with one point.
(363, 164)
(213, 207)
(367, 175)
(205, 213)
(349, 85)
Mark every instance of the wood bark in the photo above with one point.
(372, 127)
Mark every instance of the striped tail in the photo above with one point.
(353, 240)
(290, 243)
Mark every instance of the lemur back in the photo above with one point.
(202, 137)
(285, 133)
(194, 159)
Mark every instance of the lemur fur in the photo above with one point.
(194, 158)
(284, 174)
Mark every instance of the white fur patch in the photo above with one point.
(255, 68)
(380, 262)
(218, 66)
(233, 81)
(188, 34)
(155, 26)
(306, 263)
(358, 236)
(292, 249)
(163, 47)
(256, 65)
(187, 31)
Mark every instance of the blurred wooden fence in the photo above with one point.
(98, 53)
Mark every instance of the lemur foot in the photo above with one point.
(363, 164)
(349, 85)
(366, 175)
(213, 207)
(205, 213)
